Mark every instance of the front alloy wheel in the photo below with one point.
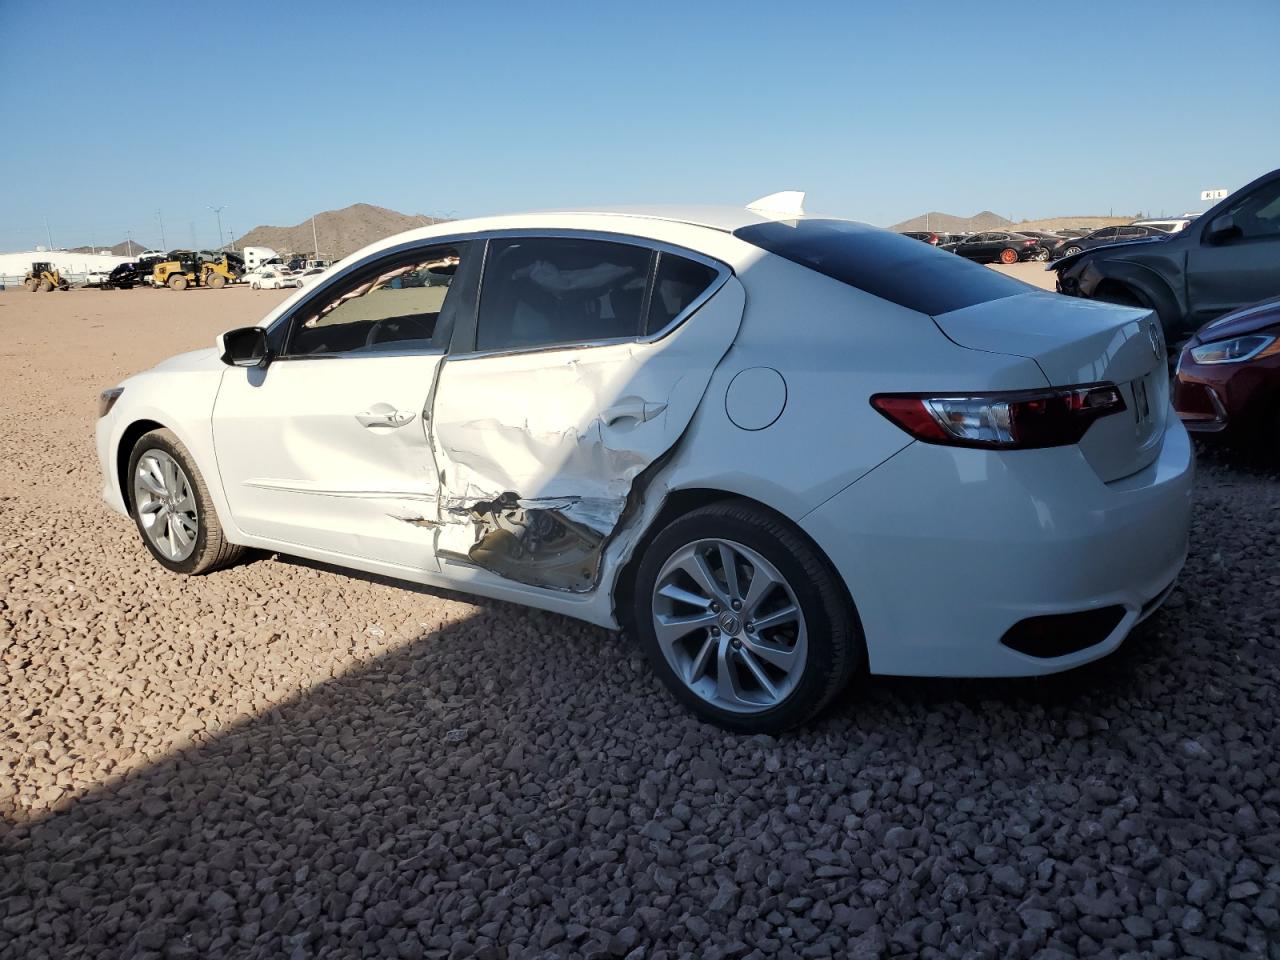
(167, 511)
(172, 507)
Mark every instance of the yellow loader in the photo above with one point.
(44, 277)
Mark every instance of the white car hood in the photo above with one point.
(205, 359)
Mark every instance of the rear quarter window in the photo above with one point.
(887, 265)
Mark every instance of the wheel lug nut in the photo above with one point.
(715, 631)
(751, 627)
(737, 604)
(737, 644)
(715, 608)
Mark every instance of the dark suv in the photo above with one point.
(1223, 260)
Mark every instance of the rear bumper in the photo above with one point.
(944, 550)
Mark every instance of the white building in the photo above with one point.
(72, 266)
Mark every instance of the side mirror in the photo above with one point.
(244, 347)
(1221, 229)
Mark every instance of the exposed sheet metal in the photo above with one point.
(553, 542)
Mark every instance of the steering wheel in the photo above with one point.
(374, 334)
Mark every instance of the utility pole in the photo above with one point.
(163, 243)
(129, 244)
(47, 235)
(218, 213)
(315, 244)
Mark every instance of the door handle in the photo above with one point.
(389, 418)
(634, 409)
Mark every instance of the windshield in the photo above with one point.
(891, 266)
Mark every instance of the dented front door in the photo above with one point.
(332, 454)
(537, 451)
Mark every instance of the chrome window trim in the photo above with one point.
(360, 355)
(723, 273)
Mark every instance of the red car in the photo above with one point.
(1229, 376)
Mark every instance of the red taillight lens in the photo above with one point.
(1002, 421)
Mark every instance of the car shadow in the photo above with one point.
(517, 783)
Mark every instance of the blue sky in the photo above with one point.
(880, 111)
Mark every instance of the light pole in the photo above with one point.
(129, 244)
(315, 244)
(47, 235)
(218, 213)
(163, 245)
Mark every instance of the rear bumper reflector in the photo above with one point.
(1059, 634)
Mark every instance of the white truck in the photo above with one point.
(255, 257)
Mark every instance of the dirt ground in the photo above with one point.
(283, 760)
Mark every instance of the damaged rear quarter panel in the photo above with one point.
(538, 450)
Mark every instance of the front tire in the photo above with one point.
(178, 282)
(172, 507)
(1071, 251)
(743, 619)
(1042, 255)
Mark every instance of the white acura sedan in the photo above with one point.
(776, 448)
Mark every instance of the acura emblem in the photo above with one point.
(1153, 334)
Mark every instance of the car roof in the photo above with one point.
(723, 217)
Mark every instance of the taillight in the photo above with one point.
(1028, 243)
(1054, 417)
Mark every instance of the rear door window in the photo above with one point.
(547, 291)
(677, 283)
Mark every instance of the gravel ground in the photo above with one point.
(282, 760)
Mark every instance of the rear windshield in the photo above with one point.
(888, 265)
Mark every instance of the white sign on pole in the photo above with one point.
(1213, 194)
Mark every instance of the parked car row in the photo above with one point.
(1012, 246)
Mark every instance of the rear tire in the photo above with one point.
(45, 286)
(1008, 257)
(168, 505)
(746, 658)
(217, 281)
(178, 282)
(1042, 255)
(1070, 251)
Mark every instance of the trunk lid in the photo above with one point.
(1076, 342)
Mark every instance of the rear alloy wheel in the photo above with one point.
(1070, 251)
(172, 507)
(1008, 256)
(1042, 255)
(743, 619)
